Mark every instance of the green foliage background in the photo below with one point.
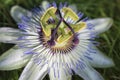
(110, 40)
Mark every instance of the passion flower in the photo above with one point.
(54, 40)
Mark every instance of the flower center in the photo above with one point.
(60, 27)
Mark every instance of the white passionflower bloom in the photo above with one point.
(54, 40)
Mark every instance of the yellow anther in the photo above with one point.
(50, 12)
(47, 31)
(79, 26)
(63, 38)
(69, 13)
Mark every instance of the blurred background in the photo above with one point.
(110, 40)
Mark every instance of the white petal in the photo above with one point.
(59, 74)
(34, 71)
(45, 4)
(101, 24)
(87, 72)
(18, 12)
(97, 58)
(13, 59)
(8, 35)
